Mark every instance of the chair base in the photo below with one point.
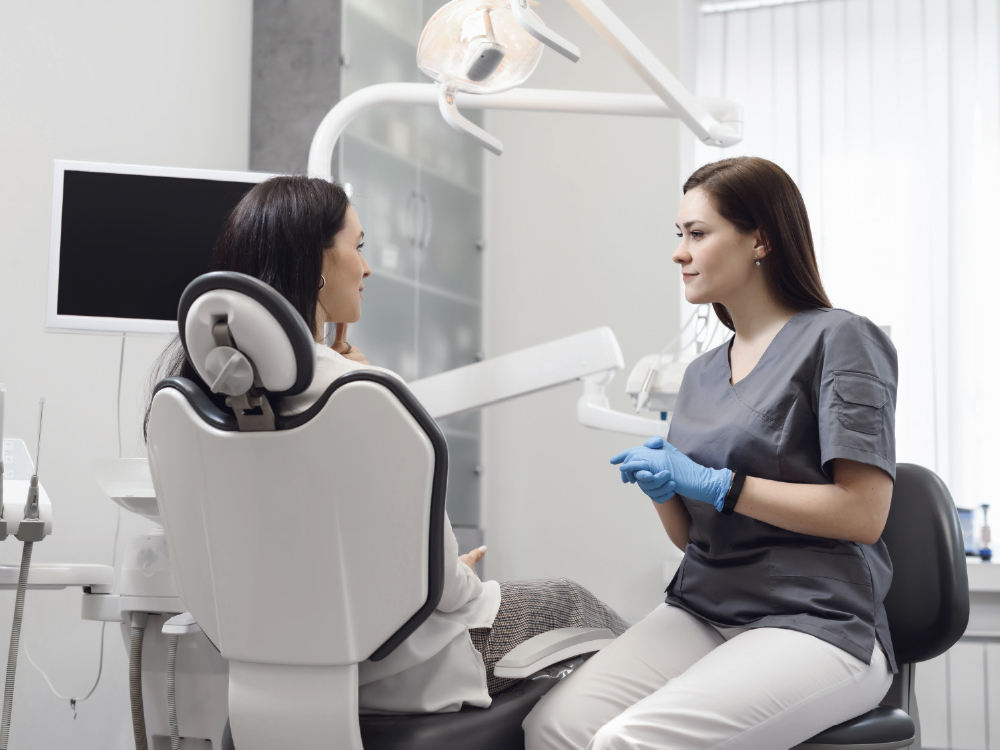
(284, 706)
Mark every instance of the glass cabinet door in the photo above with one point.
(385, 197)
(417, 187)
(373, 54)
(452, 259)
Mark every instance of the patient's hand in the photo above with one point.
(344, 349)
(473, 557)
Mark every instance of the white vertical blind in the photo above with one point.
(887, 115)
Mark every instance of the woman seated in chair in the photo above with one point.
(302, 237)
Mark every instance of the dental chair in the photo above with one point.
(300, 545)
(927, 607)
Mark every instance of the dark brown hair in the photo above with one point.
(277, 233)
(755, 194)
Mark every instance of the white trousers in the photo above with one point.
(674, 682)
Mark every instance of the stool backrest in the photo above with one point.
(928, 602)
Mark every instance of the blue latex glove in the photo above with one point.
(660, 470)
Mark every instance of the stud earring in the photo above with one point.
(324, 278)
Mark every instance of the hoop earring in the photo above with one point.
(324, 278)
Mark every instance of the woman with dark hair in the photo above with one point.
(302, 236)
(775, 481)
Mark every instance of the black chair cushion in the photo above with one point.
(928, 602)
(495, 728)
(881, 725)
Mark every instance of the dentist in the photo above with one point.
(775, 480)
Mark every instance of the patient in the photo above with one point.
(302, 237)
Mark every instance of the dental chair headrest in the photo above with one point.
(267, 335)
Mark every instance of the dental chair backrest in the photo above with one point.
(314, 539)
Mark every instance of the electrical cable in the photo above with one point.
(118, 401)
(675, 339)
(15, 638)
(139, 620)
(100, 658)
(73, 701)
(114, 560)
(175, 735)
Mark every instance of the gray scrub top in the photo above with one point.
(825, 388)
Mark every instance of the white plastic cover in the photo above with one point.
(254, 330)
(306, 546)
(664, 387)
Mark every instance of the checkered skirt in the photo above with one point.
(528, 608)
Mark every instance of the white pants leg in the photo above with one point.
(672, 682)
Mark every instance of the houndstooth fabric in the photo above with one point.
(528, 608)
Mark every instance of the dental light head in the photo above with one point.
(477, 46)
(483, 47)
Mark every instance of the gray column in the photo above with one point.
(295, 81)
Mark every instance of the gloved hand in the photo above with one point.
(660, 470)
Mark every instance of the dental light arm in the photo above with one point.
(489, 46)
(707, 127)
(592, 356)
(458, 121)
(527, 21)
(717, 122)
(511, 375)
(537, 100)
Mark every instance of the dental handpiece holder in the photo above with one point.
(27, 511)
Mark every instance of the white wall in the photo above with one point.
(148, 83)
(579, 215)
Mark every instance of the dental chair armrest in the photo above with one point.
(549, 648)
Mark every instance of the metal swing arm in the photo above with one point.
(716, 122)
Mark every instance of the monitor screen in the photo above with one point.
(127, 240)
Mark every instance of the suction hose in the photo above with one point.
(175, 735)
(15, 640)
(135, 679)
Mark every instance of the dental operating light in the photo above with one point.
(479, 52)
(477, 46)
(483, 47)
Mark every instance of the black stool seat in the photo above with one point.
(882, 726)
(495, 728)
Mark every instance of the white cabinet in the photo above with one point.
(958, 693)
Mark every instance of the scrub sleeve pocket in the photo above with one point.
(856, 396)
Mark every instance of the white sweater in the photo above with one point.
(437, 668)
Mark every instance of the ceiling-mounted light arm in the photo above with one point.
(353, 105)
(689, 110)
(529, 22)
(458, 121)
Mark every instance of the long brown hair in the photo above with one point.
(755, 194)
(277, 233)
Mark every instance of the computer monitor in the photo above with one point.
(127, 239)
